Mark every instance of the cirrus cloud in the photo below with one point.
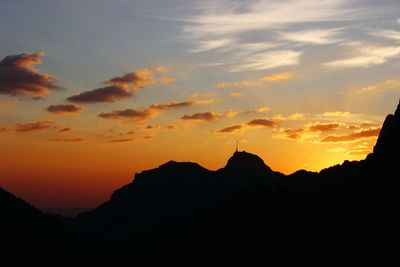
(365, 56)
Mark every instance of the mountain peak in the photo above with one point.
(388, 143)
(397, 112)
(246, 162)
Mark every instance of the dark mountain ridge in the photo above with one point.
(243, 214)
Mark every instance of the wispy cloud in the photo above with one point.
(365, 56)
(383, 86)
(228, 26)
(314, 36)
(355, 136)
(68, 140)
(387, 34)
(34, 126)
(278, 76)
(268, 60)
(256, 82)
(208, 45)
(336, 114)
(261, 15)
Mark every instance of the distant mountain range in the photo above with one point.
(244, 214)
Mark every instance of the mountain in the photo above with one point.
(164, 202)
(388, 144)
(29, 237)
(244, 214)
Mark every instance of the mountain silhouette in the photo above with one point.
(388, 143)
(244, 214)
(28, 236)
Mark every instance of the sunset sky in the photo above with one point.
(92, 92)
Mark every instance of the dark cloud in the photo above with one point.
(172, 105)
(148, 137)
(63, 130)
(324, 127)
(152, 127)
(19, 77)
(201, 116)
(64, 109)
(136, 79)
(33, 126)
(170, 127)
(230, 129)
(120, 87)
(145, 113)
(135, 114)
(5, 128)
(124, 140)
(68, 140)
(127, 133)
(293, 133)
(365, 133)
(262, 122)
(104, 94)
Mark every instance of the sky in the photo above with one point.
(94, 91)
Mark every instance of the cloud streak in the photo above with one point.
(257, 82)
(365, 56)
(201, 116)
(263, 122)
(231, 129)
(261, 15)
(122, 87)
(362, 134)
(134, 114)
(34, 126)
(104, 94)
(68, 140)
(64, 109)
(268, 60)
(118, 141)
(314, 36)
(144, 113)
